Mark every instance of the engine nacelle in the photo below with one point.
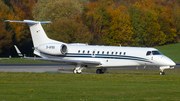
(53, 49)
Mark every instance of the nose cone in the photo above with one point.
(168, 61)
(172, 63)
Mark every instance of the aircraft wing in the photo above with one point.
(67, 61)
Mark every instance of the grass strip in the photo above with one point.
(117, 85)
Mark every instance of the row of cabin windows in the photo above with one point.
(98, 52)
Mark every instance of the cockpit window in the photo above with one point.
(148, 53)
(156, 53)
(153, 53)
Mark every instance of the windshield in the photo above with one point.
(153, 53)
(156, 53)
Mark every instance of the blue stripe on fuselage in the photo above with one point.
(105, 56)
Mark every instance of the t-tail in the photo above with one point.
(38, 34)
(40, 40)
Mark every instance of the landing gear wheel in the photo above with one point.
(101, 70)
(161, 73)
(74, 71)
(77, 70)
(98, 71)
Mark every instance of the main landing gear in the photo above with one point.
(78, 69)
(101, 71)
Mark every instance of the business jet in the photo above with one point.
(93, 56)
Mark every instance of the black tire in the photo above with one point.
(161, 73)
(98, 71)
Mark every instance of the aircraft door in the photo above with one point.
(93, 54)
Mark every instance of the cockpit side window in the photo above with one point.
(156, 53)
(148, 53)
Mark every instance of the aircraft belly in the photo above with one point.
(109, 62)
(119, 63)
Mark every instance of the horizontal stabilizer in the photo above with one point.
(28, 21)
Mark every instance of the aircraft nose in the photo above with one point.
(170, 62)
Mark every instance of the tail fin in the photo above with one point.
(18, 51)
(37, 32)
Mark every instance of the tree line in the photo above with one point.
(143, 23)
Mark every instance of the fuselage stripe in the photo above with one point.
(99, 56)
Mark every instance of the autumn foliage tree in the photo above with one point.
(69, 31)
(97, 19)
(141, 23)
(138, 24)
(14, 33)
(120, 31)
(65, 26)
(5, 34)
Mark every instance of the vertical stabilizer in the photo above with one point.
(37, 32)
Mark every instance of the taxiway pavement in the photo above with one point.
(55, 68)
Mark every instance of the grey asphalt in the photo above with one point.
(55, 68)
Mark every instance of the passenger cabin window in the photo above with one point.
(98, 52)
(88, 52)
(107, 52)
(78, 51)
(156, 53)
(102, 52)
(124, 53)
(83, 51)
(112, 53)
(93, 52)
(116, 53)
(119, 53)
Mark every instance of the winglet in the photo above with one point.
(18, 52)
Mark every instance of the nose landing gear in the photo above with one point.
(161, 72)
(162, 68)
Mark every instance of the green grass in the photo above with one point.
(172, 51)
(121, 85)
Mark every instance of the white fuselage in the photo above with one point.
(110, 56)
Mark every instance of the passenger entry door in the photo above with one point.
(93, 54)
